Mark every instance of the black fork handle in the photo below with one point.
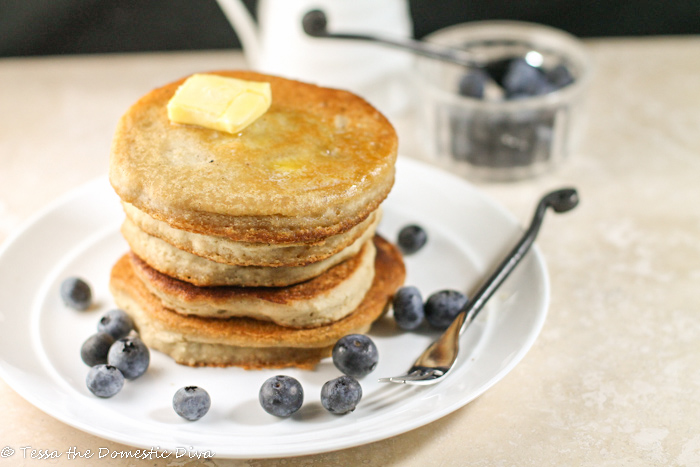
(562, 200)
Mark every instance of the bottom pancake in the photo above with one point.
(245, 342)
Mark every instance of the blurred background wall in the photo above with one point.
(51, 27)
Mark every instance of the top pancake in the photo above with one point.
(318, 162)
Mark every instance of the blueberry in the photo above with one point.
(442, 307)
(76, 293)
(472, 84)
(281, 395)
(408, 308)
(116, 323)
(341, 395)
(517, 141)
(95, 349)
(104, 380)
(412, 238)
(524, 80)
(191, 402)
(355, 355)
(130, 355)
(559, 76)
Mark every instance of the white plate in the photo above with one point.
(40, 338)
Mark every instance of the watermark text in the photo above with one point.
(72, 453)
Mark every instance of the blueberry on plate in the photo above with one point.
(116, 323)
(76, 293)
(281, 395)
(341, 395)
(408, 308)
(104, 380)
(95, 349)
(355, 355)
(130, 355)
(412, 238)
(443, 306)
(191, 402)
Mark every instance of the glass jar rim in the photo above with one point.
(553, 39)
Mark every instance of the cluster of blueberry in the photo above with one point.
(410, 311)
(516, 77)
(439, 310)
(116, 353)
(508, 139)
(355, 355)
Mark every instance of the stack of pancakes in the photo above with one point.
(255, 249)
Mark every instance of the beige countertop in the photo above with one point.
(613, 379)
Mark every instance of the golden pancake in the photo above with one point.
(321, 300)
(248, 342)
(224, 250)
(317, 163)
(202, 272)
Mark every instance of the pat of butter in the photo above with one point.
(219, 103)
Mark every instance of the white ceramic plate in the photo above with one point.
(78, 235)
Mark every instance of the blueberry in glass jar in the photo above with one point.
(560, 76)
(523, 80)
(473, 83)
(505, 137)
(517, 140)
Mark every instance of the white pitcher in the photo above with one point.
(278, 45)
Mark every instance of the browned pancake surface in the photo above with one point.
(245, 332)
(318, 162)
(282, 295)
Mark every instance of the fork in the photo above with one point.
(439, 358)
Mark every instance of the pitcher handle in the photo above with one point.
(245, 27)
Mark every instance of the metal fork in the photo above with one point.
(439, 358)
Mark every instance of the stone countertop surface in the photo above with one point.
(614, 377)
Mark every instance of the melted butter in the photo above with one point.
(289, 164)
(286, 151)
(219, 103)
